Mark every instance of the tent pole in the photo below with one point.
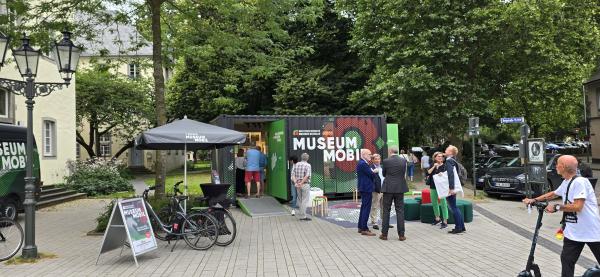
(185, 187)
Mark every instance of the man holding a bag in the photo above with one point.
(452, 169)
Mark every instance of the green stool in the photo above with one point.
(467, 209)
(411, 209)
(418, 199)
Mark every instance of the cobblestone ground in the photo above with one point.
(284, 246)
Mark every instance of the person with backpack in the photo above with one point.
(452, 166)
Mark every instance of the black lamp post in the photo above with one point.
(66, 55)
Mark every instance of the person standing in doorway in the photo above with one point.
(378, 180)
(301, 174)
(252, 171)
(451, 169)
(293, 204)
(365, 186)
(393, 189)
(581, 221)
(240, 168)
(263, 175)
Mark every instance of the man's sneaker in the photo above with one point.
(306, 219)
(293, 212)
(375, 227)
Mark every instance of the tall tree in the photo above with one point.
(110, 103)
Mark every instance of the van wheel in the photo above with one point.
(9, 209)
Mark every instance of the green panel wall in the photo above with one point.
(392, 136)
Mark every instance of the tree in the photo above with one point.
(430, 62)
(550, 47)
(112, 104)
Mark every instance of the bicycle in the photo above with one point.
(226, 223)
(199, 230)
(11, 238)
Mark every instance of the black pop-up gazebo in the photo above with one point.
(188, 134)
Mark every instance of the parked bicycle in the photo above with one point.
(11, 238)
(199, 230)
(226, 223)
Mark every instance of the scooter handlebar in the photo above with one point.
(540, 205)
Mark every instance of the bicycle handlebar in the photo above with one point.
(176, 188)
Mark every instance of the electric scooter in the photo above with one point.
(532, 269)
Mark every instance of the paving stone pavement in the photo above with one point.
(284, 246)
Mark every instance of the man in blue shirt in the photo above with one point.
(253, 157)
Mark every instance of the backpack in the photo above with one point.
(462, 172)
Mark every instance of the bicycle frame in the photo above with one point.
(166, 227)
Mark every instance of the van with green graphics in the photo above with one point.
(13, 158)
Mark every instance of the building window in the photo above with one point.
(4, 99)
(105, 150)
(49, 135)
(134, 70)
(105, 138)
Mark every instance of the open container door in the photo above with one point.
(277, 169)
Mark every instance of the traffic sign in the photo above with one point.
(508, 120)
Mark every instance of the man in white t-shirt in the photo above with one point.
(581, 218)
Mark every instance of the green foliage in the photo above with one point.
(111, 103)
(104, 217)
(97, 177)
(194, 179)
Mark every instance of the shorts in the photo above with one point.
(250, 175)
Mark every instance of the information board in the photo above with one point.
(129, 225)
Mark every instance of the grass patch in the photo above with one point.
(20, 260)
(194, 179)
(121, 194)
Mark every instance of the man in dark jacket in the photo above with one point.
(393, 189)
(366, 186)
(452, 169)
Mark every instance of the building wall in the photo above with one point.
(59, 106)
(592, 98)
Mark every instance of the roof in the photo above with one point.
(593, 79)
(273, 117)
(115, 39)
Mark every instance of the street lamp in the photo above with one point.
(27, 59)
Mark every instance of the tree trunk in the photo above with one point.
(124, 148)
(88, 147)
(159, 91)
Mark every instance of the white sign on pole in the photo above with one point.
(536, 151)
(129, 225)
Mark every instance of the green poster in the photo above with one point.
(392, 136)
(277, 180)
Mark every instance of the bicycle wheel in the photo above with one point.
(200, 231)
(11, 238)
(165, 216)
(226, 225)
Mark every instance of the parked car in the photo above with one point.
(510, 179)
(505, 147)
(553, 147)
(484, 164)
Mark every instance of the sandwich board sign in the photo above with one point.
(129, 225)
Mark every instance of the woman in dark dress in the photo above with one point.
(437, 167)
(240, 168)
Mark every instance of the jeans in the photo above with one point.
(459, 222)
(411, 170)
(365, 208)
(571, 252)
(293, 202)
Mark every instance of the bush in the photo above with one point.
(104, 217)
(97, 177)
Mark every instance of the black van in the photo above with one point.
(13, 158)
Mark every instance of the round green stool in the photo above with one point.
(411, 209)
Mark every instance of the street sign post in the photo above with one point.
(473, 132)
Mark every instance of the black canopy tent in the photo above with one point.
(188, 134)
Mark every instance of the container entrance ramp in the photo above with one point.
(265, 206)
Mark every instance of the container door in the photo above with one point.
(277, 170)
